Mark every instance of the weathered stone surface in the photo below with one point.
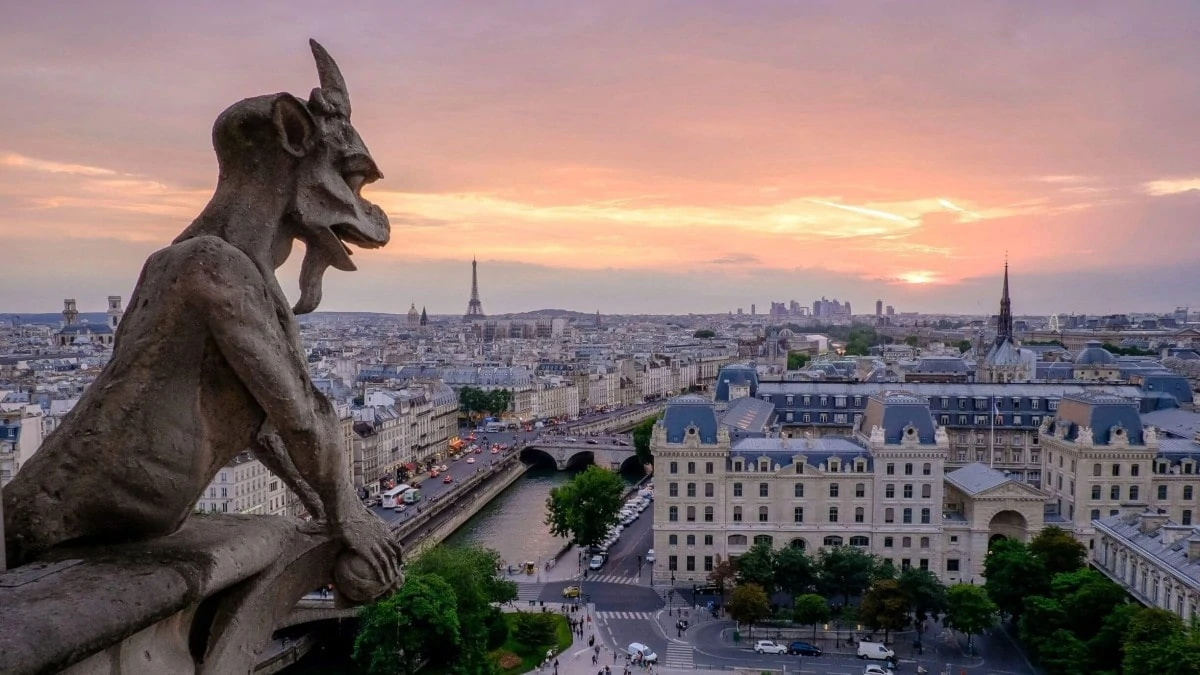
(207, 363)
(221, 584)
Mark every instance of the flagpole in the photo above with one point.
(992, 436)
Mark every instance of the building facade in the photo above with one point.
(883, 489)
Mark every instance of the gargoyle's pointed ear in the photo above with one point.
(293, 122)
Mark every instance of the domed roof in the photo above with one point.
(786, 333)
(1094, 354)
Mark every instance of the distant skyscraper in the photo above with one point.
(474, 306)
(878, 308)
(752, 308)
(891, 310)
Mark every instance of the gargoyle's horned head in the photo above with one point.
(310, 149)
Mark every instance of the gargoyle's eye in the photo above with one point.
(355, 181)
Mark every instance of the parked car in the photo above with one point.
(803, 649)
(596, 563)
(592, 441)
(569, 439)
(876, 669)
(874, 650)
(769, 647)
(647, 654)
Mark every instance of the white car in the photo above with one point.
(769, 647)
(876, 669)
(596, 563)
(650, 556)
(647, 654)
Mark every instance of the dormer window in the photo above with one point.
(834, 464)
(764, 465)
(737, 466)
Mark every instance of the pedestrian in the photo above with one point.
(594, 660)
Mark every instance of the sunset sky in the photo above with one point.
(648, 156)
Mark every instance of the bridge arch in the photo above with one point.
(581, 457)
(631, 463)
(536, 456)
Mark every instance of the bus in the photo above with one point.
(493, 427)
(393, 496)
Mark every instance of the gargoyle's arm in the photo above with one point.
(243, 321)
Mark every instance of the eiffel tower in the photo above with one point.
(474, 306)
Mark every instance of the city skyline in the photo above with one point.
(721, 155)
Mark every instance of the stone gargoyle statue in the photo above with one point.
(208, 361)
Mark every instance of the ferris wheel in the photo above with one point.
(1054, 325)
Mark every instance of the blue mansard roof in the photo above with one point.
(690, 411)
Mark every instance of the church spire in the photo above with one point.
(1004, 323)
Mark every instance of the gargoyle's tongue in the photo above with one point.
(322, 252)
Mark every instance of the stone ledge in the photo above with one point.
(226, 578)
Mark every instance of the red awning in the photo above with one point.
(410, 466)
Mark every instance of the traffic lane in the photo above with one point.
(624, 631)
(609, 597)
(434, 489)
(634, 541)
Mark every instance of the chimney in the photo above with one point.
(1173, 533)
(1194, 547)
(1151, 520)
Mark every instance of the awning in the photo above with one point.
(410, 466)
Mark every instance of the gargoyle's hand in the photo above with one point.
(368, 536)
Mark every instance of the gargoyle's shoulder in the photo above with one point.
(207, 258)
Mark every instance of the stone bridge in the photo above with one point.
(605, 453)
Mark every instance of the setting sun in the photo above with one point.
(918, 277)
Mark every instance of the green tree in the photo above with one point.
(795, 572)
(418, 622)
(642, 434)
(757, 566)
(1087, 597)
(1013, 574)
(748, 604)
(926, 593)
(1040, 618)
(586, 507)
(704, 334)
(845, 571)
(471, 572)
(1107, 649)
(797, 360)
(1063, 653)
(884, 606)
(964, 346)
(534, 629)
(969, 610)
(1059, 550)
(1156, 643)
(912, 340)
(811, 609)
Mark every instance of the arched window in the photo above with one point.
(691, 540)
(860, 541)
(833, 540)
(859, 514)
(764, 539)
(737, 540)
(691, 514)
(798, 543)
(673, 513)
(924, 542)
(926, 491)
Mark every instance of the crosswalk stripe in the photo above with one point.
(614, 579)
(642, 616)
(529, 591)
(679, 656)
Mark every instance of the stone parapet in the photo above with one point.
(203, 600)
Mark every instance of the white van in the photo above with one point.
(874, 650)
